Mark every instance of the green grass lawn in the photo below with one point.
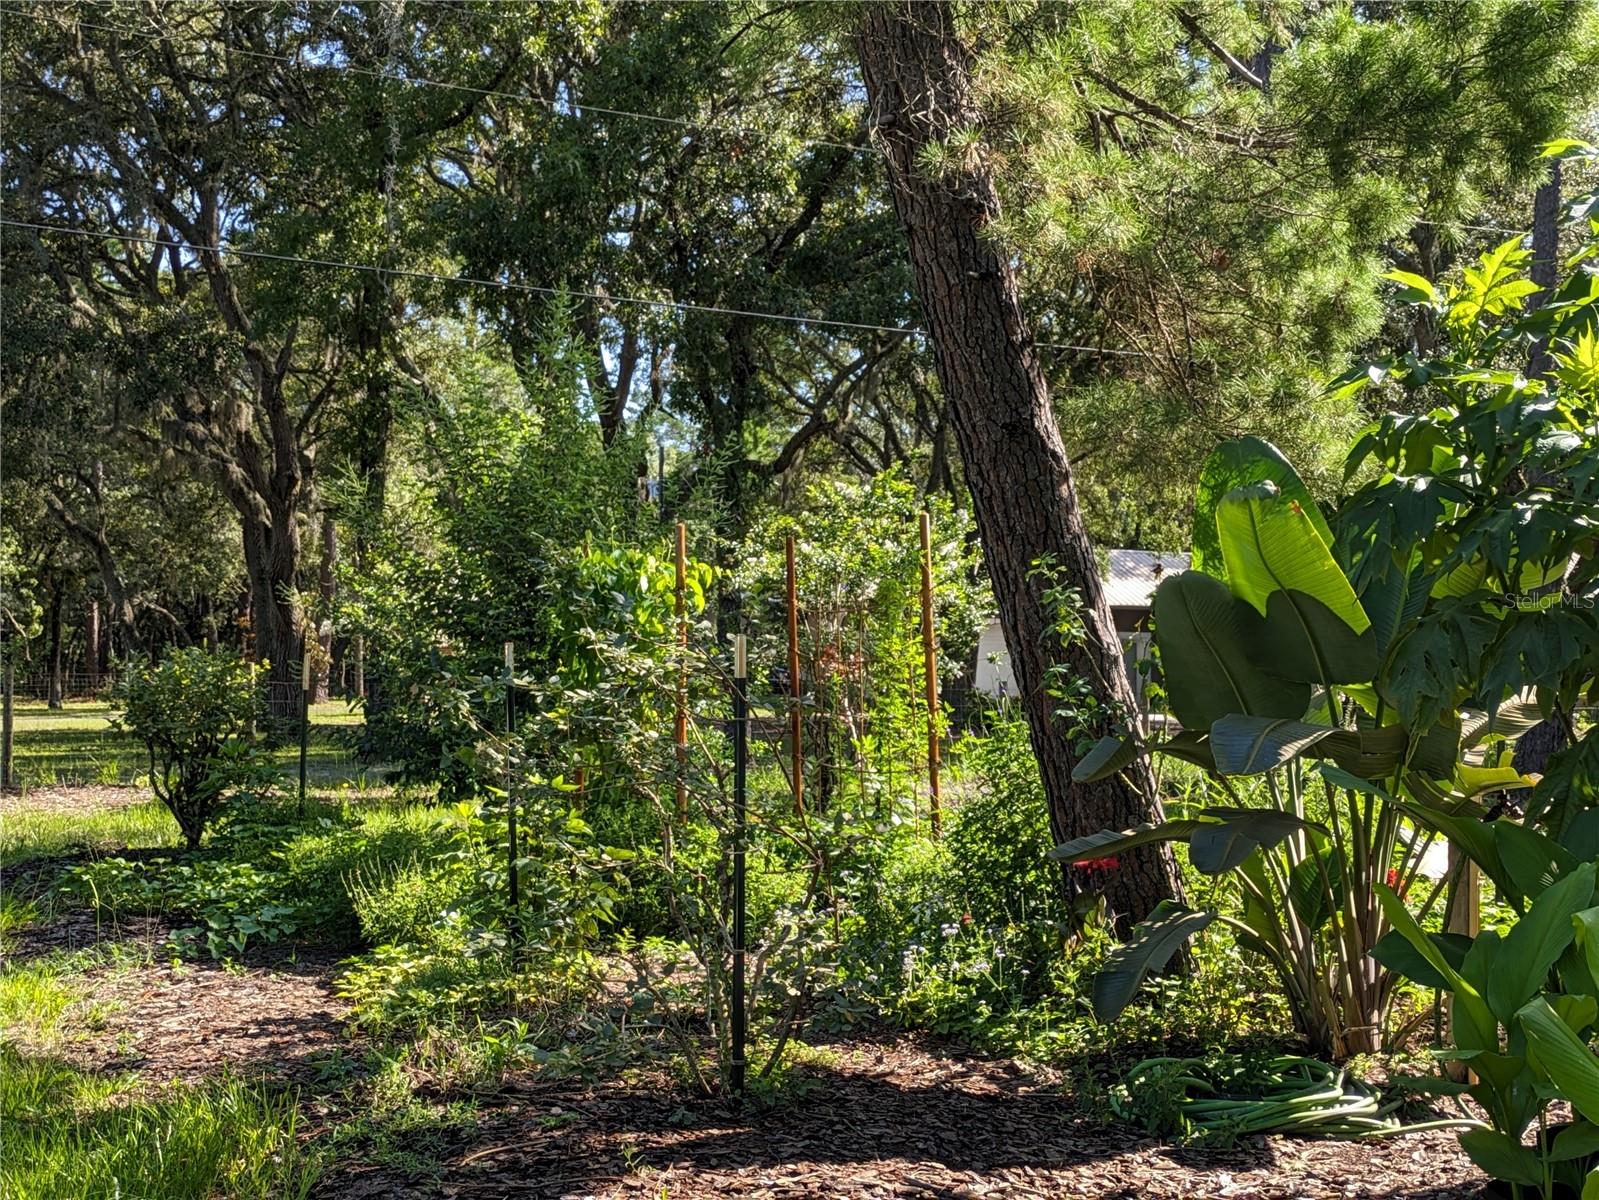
(79, 745)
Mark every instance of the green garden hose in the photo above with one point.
(1217, 1100)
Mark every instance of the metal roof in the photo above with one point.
(1134, 574)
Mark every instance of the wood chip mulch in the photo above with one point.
(77, 800)
(890, 1120)
(198, 1019)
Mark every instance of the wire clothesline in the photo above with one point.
(576, 109)
(534, 289)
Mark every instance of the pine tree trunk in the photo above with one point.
(918, 79)
(1538, 745)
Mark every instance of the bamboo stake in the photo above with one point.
(930, 669)
(680, 721)
(796, 748)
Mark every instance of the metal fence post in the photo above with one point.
(305, 713)
(740, 834)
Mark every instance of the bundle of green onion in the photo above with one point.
(1217, 1100)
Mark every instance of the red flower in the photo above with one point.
(966, 918)
(1393, 878)
(1097, 866)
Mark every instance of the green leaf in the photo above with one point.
(1536, 941)
(1109, 842)
(1562, 1057)
(1251, 745)
(1502, 1156)
(1208, 639)
(1418, 289)
(1532, 861)
(1394, 951)
(1308, 881)
(1237, 833)
(1577, 1140)
(1271, 544)
(1232, 465)
(1109, 755)
(1153, 944)
(1474, 1026)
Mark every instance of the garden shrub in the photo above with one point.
(195, 711)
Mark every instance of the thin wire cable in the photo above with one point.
(574, 109)
(535, 289)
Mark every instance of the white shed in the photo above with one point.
(1130, 586)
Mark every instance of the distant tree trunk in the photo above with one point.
(53, 686)
(1537, 745)
(918, 79)
(327, 589)
(1545, 258)
(91, 646)
(271, 558)
(8, 693)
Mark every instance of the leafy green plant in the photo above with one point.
(1523, 1012)
(195, 711)
(1373, 671)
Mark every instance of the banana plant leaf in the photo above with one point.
(1245, 745)
(1235, 464)
(1305, 639)
(1271, 544)
(1510, 720)
(1233, 834)
(1110, 842)
(1109, 755)
(1209, 643)
(1153, 944)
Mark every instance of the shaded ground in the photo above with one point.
(894, 1119)
(879, 1118)
(199, 1019)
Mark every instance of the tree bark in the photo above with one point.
(1538, 745)
(53, 686)
(91, 646)
(327, 589)
(918, 79)
(271, 557)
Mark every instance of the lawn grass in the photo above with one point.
(78, 744)
(66, 1133)
(28, 833)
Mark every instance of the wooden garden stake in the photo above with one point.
(305, 712)
(740, 833)
(930, 669)
(1464, 916)
(680, 722)
(796, 748)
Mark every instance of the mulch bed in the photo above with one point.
(79, 799)
(198, 1019)
(901, 1118)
